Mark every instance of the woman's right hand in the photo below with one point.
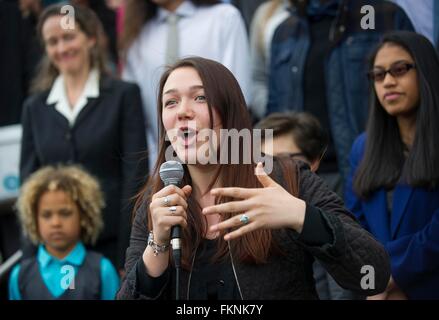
(163, 219)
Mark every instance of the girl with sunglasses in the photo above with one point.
(393, 185)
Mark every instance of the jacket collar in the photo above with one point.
(401, 197)
(58, 93)
(58, 96)
(386, 225)
(186, 9)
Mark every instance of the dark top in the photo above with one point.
(287, 276)
(107, 139)
(107, 17)
(216, 281)
(314, 86)
(390, 192)
(87, 281)
(212, 281)
(17, 61)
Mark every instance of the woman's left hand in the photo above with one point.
(392, 292)
(270, 207)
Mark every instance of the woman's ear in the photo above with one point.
(91, 42)
(314, 165)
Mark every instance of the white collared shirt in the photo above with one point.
(58, 95)
(215, 32)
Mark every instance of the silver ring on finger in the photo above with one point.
(166, 201)
(173, 209)
(244, 219)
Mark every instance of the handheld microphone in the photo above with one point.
(172, 172)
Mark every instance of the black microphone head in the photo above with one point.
(171, 172)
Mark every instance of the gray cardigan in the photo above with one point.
(287, 276)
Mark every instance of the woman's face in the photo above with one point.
(398, 93)
(185, 116)
(58, 219)
(68, 49)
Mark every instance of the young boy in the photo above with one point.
(60, 211)
(298, 134)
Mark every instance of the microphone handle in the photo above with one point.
(176, 235)
(176, 232)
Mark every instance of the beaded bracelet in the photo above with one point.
(155, 246)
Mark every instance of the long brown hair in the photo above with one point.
(139, 12)
(222, 92)
(88, 23)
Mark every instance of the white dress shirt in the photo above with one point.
(58, 95)
(215, 32)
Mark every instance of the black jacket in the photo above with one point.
(107, 139)
(289, 276)
(18, 56)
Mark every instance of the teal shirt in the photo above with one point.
(50, 270)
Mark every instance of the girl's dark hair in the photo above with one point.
(222, 92)
(383, 163)
(139, 12)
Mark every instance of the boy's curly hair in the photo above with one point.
(82, 188)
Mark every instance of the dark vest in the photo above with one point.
(87, 281)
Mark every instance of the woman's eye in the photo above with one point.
(200, 98)
(170, 103)
(51, 42)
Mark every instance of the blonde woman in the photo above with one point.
(60, 211)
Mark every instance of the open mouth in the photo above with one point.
(187, 135)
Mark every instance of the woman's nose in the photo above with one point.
(185, 109)
(389, 80)
(61, 47)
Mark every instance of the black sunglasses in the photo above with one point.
(396, 70)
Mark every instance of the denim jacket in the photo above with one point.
(345, 67)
